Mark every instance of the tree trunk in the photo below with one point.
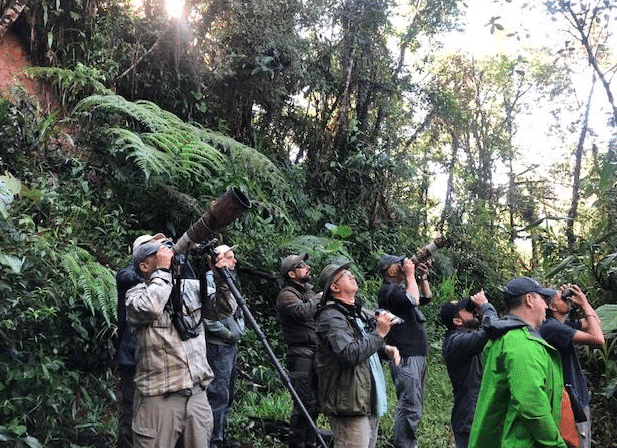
(573, 212)
(10, 15)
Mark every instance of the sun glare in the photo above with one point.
(174, 8)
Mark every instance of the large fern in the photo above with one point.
(245, 159)
(181, 156)
(94, 283)
(158, 141)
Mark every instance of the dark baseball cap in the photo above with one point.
(387, 260)
(290, 262)
(523, 285)
(450, 310)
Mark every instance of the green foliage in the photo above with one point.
(320, 129)
(163, 146)
(95, 284)
(71, 85)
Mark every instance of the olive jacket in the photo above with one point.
(346, 384)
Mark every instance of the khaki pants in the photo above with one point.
(354, 432)
(159, 421)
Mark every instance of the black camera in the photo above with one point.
(470, 306)
(566, 293)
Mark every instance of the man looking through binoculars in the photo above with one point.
(462, 351)
(564, 334)
(222, 335)
(296, 304)
(172, 371)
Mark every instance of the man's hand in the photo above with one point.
(384, 323)
(479, 299)
(409, 268)
(422, 269)
(164, 256)
(225, 261)
(393, 354)
(577, 297)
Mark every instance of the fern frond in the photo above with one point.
(245, 160)
(75, 81)
(170, 147)
(93, 282)
(149, 159)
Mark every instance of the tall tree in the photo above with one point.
(591, 24)
(576, 172)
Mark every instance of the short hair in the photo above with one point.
(513, 302)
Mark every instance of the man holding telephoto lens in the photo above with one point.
(563, 333)
(402, 295)
(172, 371)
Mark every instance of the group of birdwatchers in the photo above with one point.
(177, 354)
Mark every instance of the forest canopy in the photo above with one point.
(354, 128)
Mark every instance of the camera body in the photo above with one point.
(470, 306)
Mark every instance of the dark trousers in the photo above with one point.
(221, 390)
(304, 381)
(125, 412)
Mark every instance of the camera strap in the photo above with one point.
(178, 319)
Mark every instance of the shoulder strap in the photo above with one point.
(341, 309)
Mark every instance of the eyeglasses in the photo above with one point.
(300, 265)
(344, 273)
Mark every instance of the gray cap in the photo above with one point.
(523, 285)
(327, 275)
(290, 262)
(388, 260)
(145, 250)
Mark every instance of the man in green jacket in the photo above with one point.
(519, 404)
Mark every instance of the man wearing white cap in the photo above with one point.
(172, 371)
(126, 278)
(222, 335)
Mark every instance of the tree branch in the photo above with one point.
(156, 44)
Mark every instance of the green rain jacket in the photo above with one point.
(519, 404)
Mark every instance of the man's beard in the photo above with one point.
(472, 324)
(306, 279)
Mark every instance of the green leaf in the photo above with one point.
(32, 442)
(14, 263)
(608, 317)
(337, 230)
